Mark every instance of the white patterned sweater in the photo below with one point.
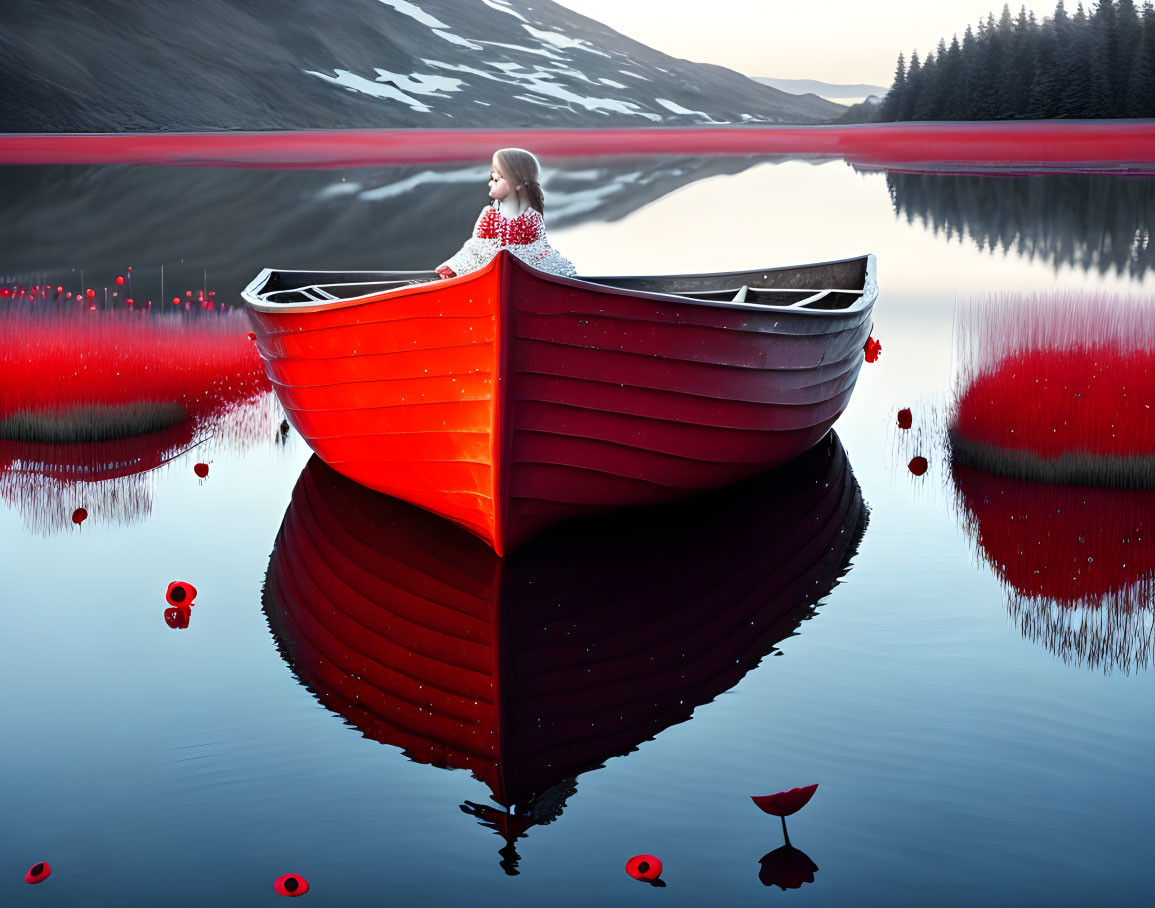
(523, 235)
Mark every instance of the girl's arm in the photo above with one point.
(478, 249)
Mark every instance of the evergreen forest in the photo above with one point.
(1087, 64)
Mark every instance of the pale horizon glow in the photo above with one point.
(839, 41)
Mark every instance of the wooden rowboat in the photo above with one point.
(508, 399)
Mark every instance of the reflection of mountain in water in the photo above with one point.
(1089, 221)
(533, 669)
(231, 222)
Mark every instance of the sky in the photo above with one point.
(840, 41)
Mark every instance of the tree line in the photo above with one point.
(1095, 64)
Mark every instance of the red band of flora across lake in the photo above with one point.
(1052, 143)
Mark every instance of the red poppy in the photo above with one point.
(79, 516)
(177, 616)
(290, 884)
(786, 868)
(905, 420)
(37, 872)
(784, 803)
(873, 349)
(201, 469)
(644, 867)
(181, 593)
(120, 280)
(918, 465)
(90, 293)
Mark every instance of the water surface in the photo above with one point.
(960, 757)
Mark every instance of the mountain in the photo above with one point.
(823, 89)
(78, 66)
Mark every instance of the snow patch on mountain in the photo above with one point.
(420, 83)
(540, 82)
(500, 6)
(564, 42)
(354, 82)
(682, 111)
(414, 12)
(457, 39)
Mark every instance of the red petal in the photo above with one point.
(785, 803)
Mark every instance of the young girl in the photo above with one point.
(515, 221)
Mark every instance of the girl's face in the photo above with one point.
(499, 186)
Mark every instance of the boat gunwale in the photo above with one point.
(867, 295)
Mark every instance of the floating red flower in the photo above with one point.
(120, 280)
(38, 872)
(905, 420)
(90, 293)
(181, 593)
(784, 803)
(644, 867)
(873, 349)
(201, 469)
(79, 516)
(177, 616)
(290, 884)
(918, 465)
(786, 868)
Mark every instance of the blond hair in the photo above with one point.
(520, 166)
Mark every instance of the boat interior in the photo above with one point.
(829, 286)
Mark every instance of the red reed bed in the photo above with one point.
(1058, 388)
(91, 376)
(1096, 144)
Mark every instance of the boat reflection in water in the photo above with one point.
(1077, 562)
(532, 669)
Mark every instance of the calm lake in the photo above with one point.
(847, 623)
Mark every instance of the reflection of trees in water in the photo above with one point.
(1090, 221)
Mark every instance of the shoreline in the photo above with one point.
(1083, 145)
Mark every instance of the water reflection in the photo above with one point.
(92, 404)
(46, 482)
(1077, 562)
(1094, 222)
(531, 670)
(214, 227)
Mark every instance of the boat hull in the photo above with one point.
(508, 400)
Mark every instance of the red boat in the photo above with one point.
(508, 399)
(532, 669)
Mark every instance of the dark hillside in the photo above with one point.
(80, 66)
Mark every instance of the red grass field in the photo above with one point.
(94, 375)
(1058, 389)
